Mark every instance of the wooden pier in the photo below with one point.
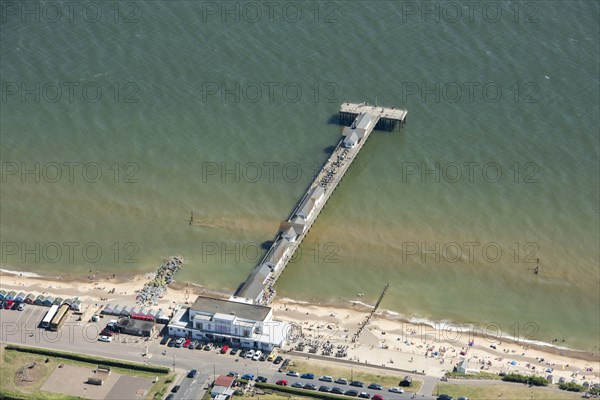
(362, 119)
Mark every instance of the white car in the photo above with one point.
(396, 390)
(326, 378)
(104, 338)
(250, 354)
(257, 355)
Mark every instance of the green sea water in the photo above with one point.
(210, 107)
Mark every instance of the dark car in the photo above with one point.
(351, 393)
(243, 353)
(1, 303)
(310, 386)
(337, 390)
(175, 388)
(444, 397)
(406, 382)
(233, 351)
(326, 389)
(277, 360)
(164, 340)
(357, 384)
(192, 374)
(170, 397)
(307, 376)
(375, 386)
(249, 377)
(364, 395)
(298, 385)
(261, 379)
(171, 342)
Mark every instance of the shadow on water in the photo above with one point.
(266, 245)
(329, 149)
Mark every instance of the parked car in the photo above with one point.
(278, 360)
(250, 354)
(298, 385)
(175, 389)
(208, 346)
(357, 384)
(179, 342)
(170, 397)
(271, 357)
(21, 306)
(233, 351)
(293, 373)
(351, 393)
(243, 354)
(261, 379)
(341, 381)
(105, 338)
(233, 374)
(282, 382)
(364, 395)
(307, 376)
(187, 342)
(396, 390)
(106, 332)
(171, 342)
(224, 349)
(325, 389)
(164, 340)
(377, 396)
(249, 377)
(262, 357)
(193, 345)
(256, 355)
(192, 374)
(337, 390)
(444, 396)
(462, 398)
(375, 386)
(406, 382)
(8, 304)
(326, 378)
(310, 386)
(1, 303)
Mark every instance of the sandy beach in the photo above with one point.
(386, 340)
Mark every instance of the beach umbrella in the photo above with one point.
(513, 363)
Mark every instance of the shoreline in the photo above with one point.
(95, 288)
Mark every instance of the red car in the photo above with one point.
(282, 382)
(224, 349)
(187, 342)
(106, 332)
(8, 305)
(377, 397)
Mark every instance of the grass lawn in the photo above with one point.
(11, 361)
(386, 380)
(499, 391)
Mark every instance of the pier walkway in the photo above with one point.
(363, 119)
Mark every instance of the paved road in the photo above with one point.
(21, 327)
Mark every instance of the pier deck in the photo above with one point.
(363, 118)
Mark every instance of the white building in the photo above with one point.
(310, 203)
(238, 324)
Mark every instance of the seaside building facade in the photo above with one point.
(235, 323)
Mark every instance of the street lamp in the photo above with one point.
(173, 362)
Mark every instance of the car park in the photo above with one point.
(375, 386)
(337, 390)
(293, 373)
(261, 379)
(341, 381)
(175, 388)
(192, 374)
(351, 393)
(307, 376)
(396, 390)
(249, 377)
(357, 384)
(326, 378)
(282, 382)
(298, 385)
(325, 389)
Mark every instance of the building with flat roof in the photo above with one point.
(137, 327)
(236, 323)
